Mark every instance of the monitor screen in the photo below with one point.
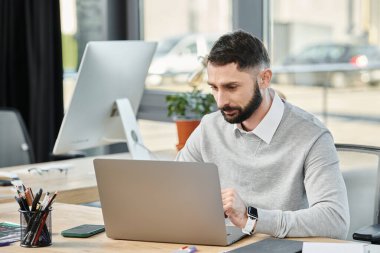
(109, 71)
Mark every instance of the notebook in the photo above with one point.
(272, 245)
(9, 232)
(163, 201)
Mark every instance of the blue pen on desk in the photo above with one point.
(2, 244)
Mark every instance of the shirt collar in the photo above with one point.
(269, 124)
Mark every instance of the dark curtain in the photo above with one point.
(31, 68)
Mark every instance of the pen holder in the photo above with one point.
(35, 228)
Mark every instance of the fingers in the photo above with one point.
(234, 207)
(228, 193)
(232, 201)
(228, 190)
(227, 204)
(229, 198)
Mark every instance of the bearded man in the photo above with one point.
(278, 166)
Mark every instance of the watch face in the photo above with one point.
(252, 212)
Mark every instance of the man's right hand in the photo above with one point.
(234, 207)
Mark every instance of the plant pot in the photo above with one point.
(184, 130)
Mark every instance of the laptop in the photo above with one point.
(163, 201)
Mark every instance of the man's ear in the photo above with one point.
(265, 78)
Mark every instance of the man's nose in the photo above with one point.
(221, 99)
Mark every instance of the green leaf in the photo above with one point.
(192, 104)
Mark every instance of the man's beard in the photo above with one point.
(246, 112)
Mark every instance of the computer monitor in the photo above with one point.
(110, 85)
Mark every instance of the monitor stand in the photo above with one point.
(131, 130)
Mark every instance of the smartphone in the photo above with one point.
(83, 231)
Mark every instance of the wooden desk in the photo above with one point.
(77, 186)
(65, 216)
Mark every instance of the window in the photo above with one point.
(185, 31)
(81, 21)
(344, 34)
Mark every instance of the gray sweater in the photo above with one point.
(294, 181)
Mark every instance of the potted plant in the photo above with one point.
(187, 110)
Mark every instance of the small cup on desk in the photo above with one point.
(36, 229)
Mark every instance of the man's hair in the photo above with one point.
(241, 48)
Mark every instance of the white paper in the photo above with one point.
(372, 248)
(316, 247)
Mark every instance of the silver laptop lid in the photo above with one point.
(162, 201)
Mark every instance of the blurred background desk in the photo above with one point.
(65, 216)
(76, 186)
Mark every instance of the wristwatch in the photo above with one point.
(251, 221)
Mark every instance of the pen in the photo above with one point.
(23, 209)
(24, 203)
(36, 199)
(19, 203)
(31, 192)
(31, 224)
(28, 197)
(51, 201)
(45, 200)
(186, 249)
(35, 210)
(5, 244)
(28, 239)
(40, 228)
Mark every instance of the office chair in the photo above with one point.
(360, 166)
(15, 144)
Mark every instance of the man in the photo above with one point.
(278, 166)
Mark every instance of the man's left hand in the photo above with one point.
(234, 207)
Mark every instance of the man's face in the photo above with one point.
(236, 92)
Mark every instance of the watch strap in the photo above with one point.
(251, 221)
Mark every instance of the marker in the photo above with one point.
(186, 249)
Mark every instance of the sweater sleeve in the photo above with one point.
(191, 152)
(328, 213)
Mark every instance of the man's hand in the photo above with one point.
(234, 207)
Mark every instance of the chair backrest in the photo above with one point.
(360, 167)
(15, 144)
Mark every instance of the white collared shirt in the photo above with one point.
(269, 124)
